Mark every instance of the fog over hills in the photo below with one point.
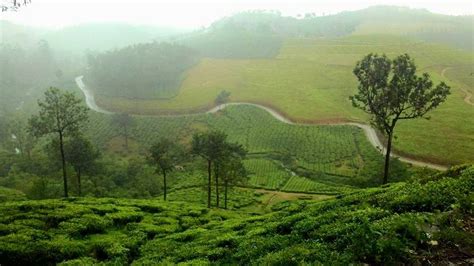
(417, 23)
(251, 132)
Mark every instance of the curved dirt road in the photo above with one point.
(370, 133)
(90, 100)
(468, 97)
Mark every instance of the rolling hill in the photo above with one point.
(311, 79)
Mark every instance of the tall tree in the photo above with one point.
(4, 136)
(124, 122)
(231, 167)
(390, 90)
(165, 155)
(81, 154)
(209, 146)
(61, 113)
(23, 141)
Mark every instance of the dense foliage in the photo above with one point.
(390, 90)
(24, 69)
(231, 39)
(424, 220)
(300, 196)
(150, 70)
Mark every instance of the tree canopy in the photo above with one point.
(390, 90)
(81, 154)
(165, 155)
(61, 113)
(149, 70)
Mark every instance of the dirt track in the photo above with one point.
(468, 97)
(370, 133)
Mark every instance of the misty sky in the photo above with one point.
(191, 14)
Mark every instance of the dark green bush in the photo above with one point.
(404, 223)
(123, 217)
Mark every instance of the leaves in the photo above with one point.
(390, 90)
(165, 154)
(60, 112)
(80, 153)
(209, 145)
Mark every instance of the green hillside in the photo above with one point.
(238, 143)
(311, 80)
(420, 24)
(328, 154)
(414, 222)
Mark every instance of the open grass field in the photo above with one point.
(310, 80)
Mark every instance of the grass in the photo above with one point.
(402, 223)
(311, 80)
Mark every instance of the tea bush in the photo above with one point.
(406, 223)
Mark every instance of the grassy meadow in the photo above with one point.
(310, 80)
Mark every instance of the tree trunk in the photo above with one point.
(164, 185)
(126, 138)
(387, 158)
(209, 183)
(225, 194)
(28, 154)
(20, 147)
(79, 181)
(216, 175)
(61, 146)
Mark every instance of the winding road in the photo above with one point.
(370, 133)
(468, 97)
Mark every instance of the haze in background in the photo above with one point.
(193, 14)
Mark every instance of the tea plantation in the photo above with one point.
(415, 222)
(336, 154)
(311, 79)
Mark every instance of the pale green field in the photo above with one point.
(311, 80)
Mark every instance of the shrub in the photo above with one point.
(123, 217)
(79, 262)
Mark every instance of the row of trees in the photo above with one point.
(63, 116)
(143, 71)
(223, 159)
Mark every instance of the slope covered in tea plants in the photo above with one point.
(428, 219)
(340, 154)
